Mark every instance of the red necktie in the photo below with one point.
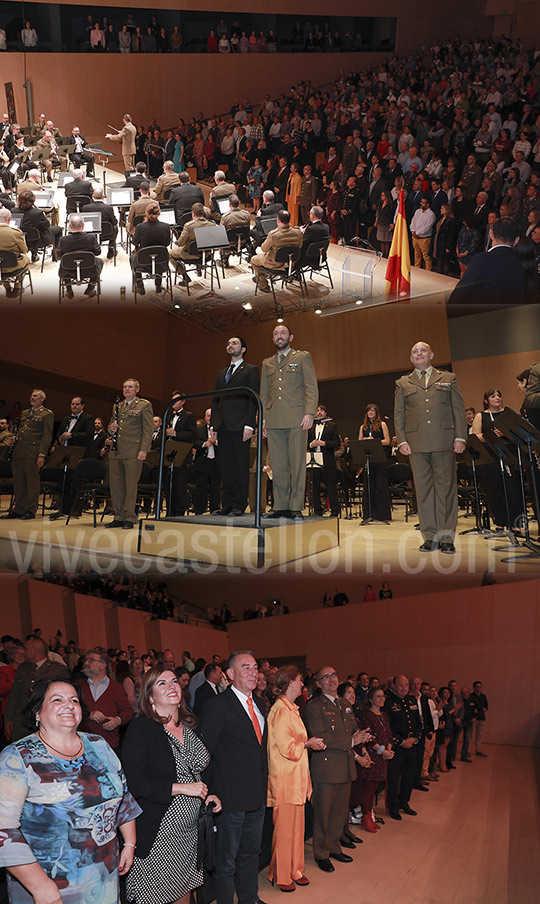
(254, 719)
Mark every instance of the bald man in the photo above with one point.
(431, 426)
(402, 711)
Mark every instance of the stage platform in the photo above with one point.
(236, 542)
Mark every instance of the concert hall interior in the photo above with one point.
(461, 597)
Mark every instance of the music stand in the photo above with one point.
(313, 464)
(64, 458)
(476, 454)
(355, 464)
(370, 450)
(208, 240)
(175, 456)
(521, 432)
(102, 156)
(500, 451)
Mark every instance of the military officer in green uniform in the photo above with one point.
(289, 395)
(31, 446)
(430, 425)
(332, 769)
(6, 436)
(134, 431)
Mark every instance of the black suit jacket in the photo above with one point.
(156, 442)
(79, 187)
(185, 431)
(427, 718)
(134, 182)
(492, 277)
(315, 232)
(330, 436)
(280, 183)
(36, 218)
(151, 233)
(106, 211)
(78, 241)
(203, 694)
(83, 431)
(238, 769)
(201, 452)
(96, 445)
(182, 197)
(236, 411)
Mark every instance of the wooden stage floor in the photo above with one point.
(475, 841)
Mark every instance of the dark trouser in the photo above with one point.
(419, 751)
(329, 475)
(401, 773)
(237, 855)
(330, 809)
(451, 750)
(26, 485)
(234, 466)
(69, 275)
(467, 735)
(83, 157)
(179, 500)
(348, 227)
(206, 474)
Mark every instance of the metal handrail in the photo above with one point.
(215, 393)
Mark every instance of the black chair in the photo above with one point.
(81, 267)
(400, 484)
(91, 481)
(239, 241)
(152, 263)
(11, 273)
(146, 491)
(136, 221)
(184, 267)
(75, 204)
(183, 219)
(290, 255)
(34, 238)
(6, 481)
(316, 261)
(107, 233)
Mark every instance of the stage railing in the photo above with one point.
(216, 393)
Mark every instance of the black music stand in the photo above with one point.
(356, 463)
(64, 458)
(503, 454)
(176, 454)
(208, 240)
(476, 454)
(370, 451)
(521, 432)
(312, 465)
(103, 157)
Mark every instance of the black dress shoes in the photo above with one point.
(341, 857)
(222, 511)
(279, 513)
(237, 512)
(344, 842)
(13, 515)
(427, 546)
(478, 752)
(348, 836)
(408, 810)
(325, 865)
(421, 787)
(448, 548)
(128, 525)
(27, 517)
(115, 523)
(296, 516)
(395, 814)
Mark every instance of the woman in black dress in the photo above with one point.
(490, 475)
(379, 493)
(446, 232)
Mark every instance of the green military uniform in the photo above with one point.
(6, 437)
(33, 439)
(288, 391)
(277, 238)
(332, 771)
(308, 195)
(429, 415)
(135, 428)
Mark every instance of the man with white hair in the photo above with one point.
(30, 448)
(31, 183)
(47, 145)
(223, 188)
(166, 181)
(98, 205)
(79, 186)
(12, 239)
(79, 240)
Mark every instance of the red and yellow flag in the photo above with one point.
(398, 271)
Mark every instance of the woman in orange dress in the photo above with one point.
(289, 782)
(292, 195)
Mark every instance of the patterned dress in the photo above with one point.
(170, 869)
(64, 814)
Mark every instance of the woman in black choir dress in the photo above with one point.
(375, 428)
(489, 475)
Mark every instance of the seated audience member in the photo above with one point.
(315, 231)
(284, 235)
(79, 240)
(147, 234)
(12, 239)
(495, 276)
(36, 219)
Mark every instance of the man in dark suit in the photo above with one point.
(323, 439)
(207, 691)
(79, 240)
(234, 730)
(134, 182)
(181, 428)
(437, 198)
(98, 205)
(79, 186)
(157, 433)
(234, 418)
(76, 429)
(493, 277)
(424, 712)
(281, 179)
(206, 466)
(184, 196)
(270, 208)
(37, 666)
(315, 231)
(481, 213)
(78, 155)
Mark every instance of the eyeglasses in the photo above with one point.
(330, 675)
(93, 660)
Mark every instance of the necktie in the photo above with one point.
(229, 373)
(423, 374)
(254, 719)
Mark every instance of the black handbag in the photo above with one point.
(206, 838)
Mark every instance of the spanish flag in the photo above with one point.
(398, 271)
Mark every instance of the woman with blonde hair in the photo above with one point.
(292, 195)
(289, 782)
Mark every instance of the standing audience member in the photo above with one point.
(104, 698)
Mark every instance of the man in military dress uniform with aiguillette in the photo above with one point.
(402, 711)
(31, 445)
(134, 437)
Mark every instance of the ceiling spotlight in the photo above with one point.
(247, 306)
(318, 309)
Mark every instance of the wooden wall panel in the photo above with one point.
(478, 374)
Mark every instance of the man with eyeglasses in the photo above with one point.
(332, 770)
(105, 699)
(233, 727)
